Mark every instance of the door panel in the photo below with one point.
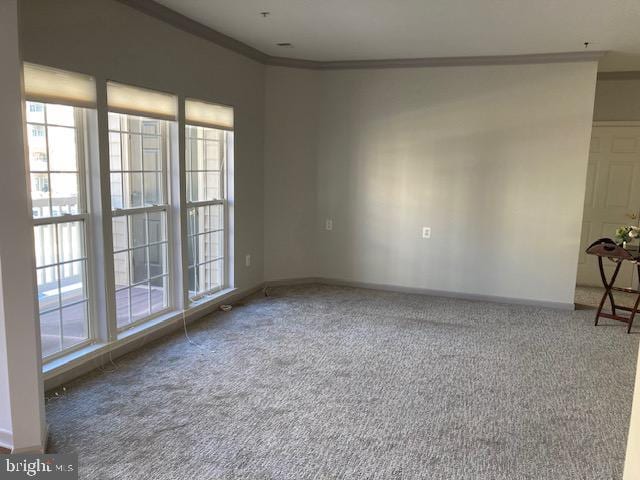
(619, 183)
(612, 194)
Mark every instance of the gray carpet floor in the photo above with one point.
(591, 296)
(320, 382)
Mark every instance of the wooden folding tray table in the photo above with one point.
(607, 248)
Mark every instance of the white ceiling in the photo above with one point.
(328, 30)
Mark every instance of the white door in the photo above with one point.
(612, 196)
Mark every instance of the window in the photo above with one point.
(131, 239)
(57, 165)
(37, 131)
(139, 203)
(208, 149)
(205, 152)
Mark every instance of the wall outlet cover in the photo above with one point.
(426, 232)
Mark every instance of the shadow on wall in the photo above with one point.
(494, 165)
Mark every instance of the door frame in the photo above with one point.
(612, 123)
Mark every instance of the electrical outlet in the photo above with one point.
(328, 224)
(426, 232)
(247, 260)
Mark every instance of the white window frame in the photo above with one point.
(84, 215)
(131, 211)
(225, 145)
(96, 214)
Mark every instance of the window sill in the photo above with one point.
(81, 356)
(208, 299)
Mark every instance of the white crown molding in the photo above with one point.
(183, 22)
(441, 61)
(617, 123)
(630, 75)
(167, 15)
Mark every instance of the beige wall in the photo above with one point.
(290, 172)
(110, 40)
(617, 100)
(492, 158)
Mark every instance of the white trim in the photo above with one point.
(66, 218)
(617, 123)
(422, 62)
(619, 75)
(225, 145)
(68, 351)
(122, 212)
(84, 218)
(165, 171)
(204, 203)
(6, 439)
(285, 282)
(34, 449)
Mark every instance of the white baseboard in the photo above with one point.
(292, 281)
(35, 449)
(6, 441)
(422, 291)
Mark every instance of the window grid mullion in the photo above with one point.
(66, 262)
(204, 166)
(135, 171)
(46, 140)
(144, 193)
(213, 260)
(204, 232)
(81, 177)
(148, 260)
(124, 212)
(61, 219)
(130, 272)
(59, 283)
(71, 304)
(120, 146)
(141, 282)
(204, 203)
(150, 244)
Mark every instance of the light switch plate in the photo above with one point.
(247, 260)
